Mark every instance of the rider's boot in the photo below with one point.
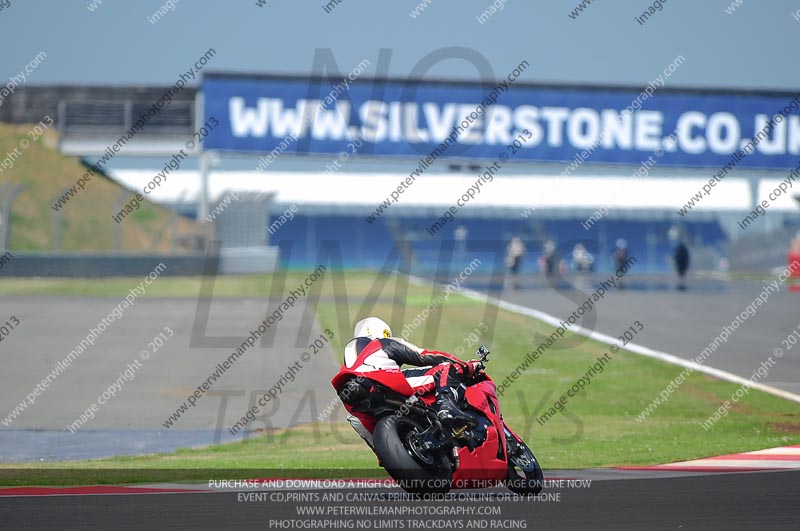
(447, 410)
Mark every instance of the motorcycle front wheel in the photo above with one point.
(525, 476)
(402, 454)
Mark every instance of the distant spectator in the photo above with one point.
(548, 261)
(681, 258)
(620, 258)
(514, 252)
(582, 260)
(460, 237)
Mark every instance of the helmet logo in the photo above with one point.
(373, 328)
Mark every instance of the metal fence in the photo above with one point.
(117, 117)
(10, 193)
(89, 106)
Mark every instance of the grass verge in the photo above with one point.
(86, 219)
(597, 428)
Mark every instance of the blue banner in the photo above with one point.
(474, 121)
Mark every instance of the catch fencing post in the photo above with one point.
(5, 211)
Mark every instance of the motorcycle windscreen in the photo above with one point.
(350, 353)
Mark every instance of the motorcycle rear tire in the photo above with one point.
(415, 477)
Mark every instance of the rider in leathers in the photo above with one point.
(437, 370)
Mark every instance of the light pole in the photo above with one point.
(208, 160)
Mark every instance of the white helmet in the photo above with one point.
(373, 328)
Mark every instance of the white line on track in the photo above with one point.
(631, 347)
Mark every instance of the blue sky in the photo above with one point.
(754, 47)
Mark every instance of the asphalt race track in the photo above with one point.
(761, 501)
(679, 323)
(682, 323)
(131, 421)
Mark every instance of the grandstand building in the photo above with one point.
(390, 164)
